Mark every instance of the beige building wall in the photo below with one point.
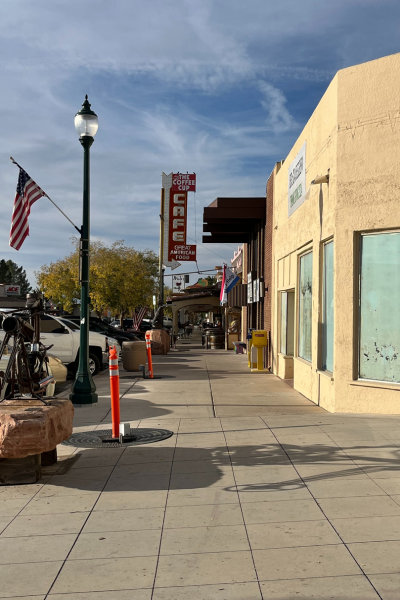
(354, 134)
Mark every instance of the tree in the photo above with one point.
(211, 280)
(10, 272)
(121, 278)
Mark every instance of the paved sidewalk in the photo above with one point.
(259, 494)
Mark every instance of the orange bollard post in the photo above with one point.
(149, 360)
(114, 385)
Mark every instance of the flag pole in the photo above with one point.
(48, 197)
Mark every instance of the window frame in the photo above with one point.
(310, 250)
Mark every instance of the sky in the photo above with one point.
(221, 88)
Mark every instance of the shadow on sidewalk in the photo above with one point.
(150, 468)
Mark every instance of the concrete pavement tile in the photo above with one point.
(138, 483)
(270, 492)
(116, 595)
(44, 525)
(238, 423)
(10, 507)
(201, 453)
(20, 491)
(279, 512)
(60, 504)
(388, 585)
(117, 544)
(377, 557)
(124, 520)
(378, 473)
(233, 591)
(293, 441)
(202, 516)
(222, 465)
(313, 561)
(4, 521)
(194, 497)
(345, 488)
(154, 468)
(101, 453)
(131, 500)
(369, 506)
(390, 486)
(368, 529)
(181, 481)
(39, 548)
(203, 569)
(214, 438)
(106, 574)
(353, 587)
(134, 455)
(91, 462)
(267, 474)
(51, 490)
(197, 540)
(291, 534)
(330, 471)
(94, 473)
(31, 579)
(257, 459)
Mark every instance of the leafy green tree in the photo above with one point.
(10, 272)
(211, 280)
(121, 278)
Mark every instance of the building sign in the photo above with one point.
(256, 290)
(182, 182)
(12, 290)
(178, 283)
(183, 252)
(297, 181)
(250, 288)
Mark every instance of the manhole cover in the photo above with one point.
(94, 439)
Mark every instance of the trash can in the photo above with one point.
(133, 355)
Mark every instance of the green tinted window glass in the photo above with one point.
(380, 307)
(327, 309)
(305, 306)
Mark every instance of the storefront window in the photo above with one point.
(305, 306)
(283, 322)
(327, 309)
(380, 307)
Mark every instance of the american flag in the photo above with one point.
(138, 318)
(27, 193)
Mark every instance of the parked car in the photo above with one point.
(63, 336)
(98, 326)
(128, 326)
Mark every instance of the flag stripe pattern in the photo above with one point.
(138, 318)
(27, 193)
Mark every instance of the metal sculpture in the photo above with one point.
(27, 374)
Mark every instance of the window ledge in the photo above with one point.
(303, 361)
(327, 374)
(376, 384)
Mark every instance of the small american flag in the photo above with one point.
(138, 318)
(27, 193)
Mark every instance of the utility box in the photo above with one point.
(133, 355)
(259, 338)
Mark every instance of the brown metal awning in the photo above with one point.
(232, 219)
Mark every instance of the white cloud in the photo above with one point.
(279, 118)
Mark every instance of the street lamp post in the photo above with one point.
(84, 390)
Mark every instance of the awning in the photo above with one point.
(231, 220)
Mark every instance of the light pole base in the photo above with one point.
(83, 391)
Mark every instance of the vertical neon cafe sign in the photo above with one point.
(178, 249)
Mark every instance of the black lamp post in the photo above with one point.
(84, 389)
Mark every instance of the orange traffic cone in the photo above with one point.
(114, 385)
(148, 349)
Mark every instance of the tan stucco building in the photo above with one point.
(336, 258)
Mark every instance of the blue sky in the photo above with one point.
(220, 88)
